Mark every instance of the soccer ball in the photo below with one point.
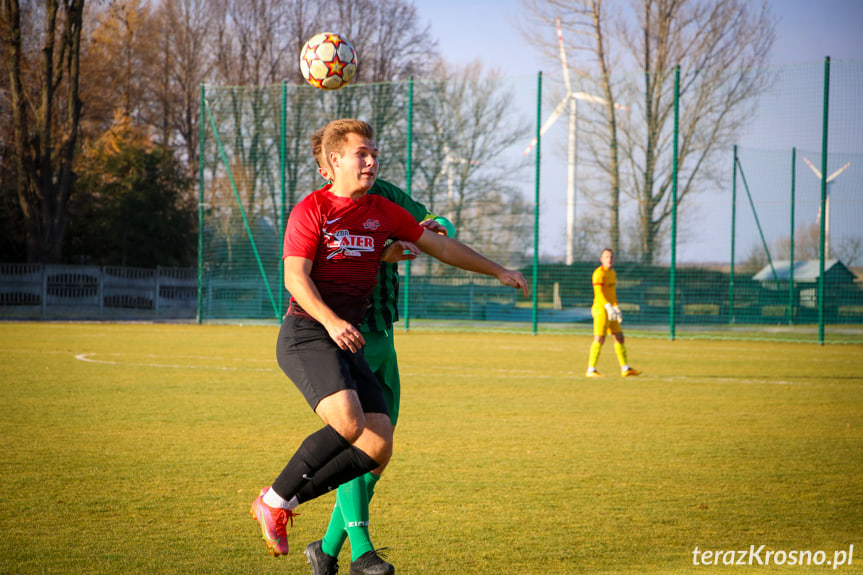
(328, 61)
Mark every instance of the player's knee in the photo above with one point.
(379, 450)
(351, 428)
(342, 411)
(382, 458)
(377, 439)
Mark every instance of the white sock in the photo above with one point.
(625, 367)
(273, 499)
(589, 369)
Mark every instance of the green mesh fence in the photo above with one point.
(740, 256)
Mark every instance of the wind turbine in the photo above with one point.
(830, 178)
(570, 98)
(449, 161)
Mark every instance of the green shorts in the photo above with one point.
(380, 353)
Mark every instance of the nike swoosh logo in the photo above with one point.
(333, 221)
(264, 531)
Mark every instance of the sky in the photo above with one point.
(807, 31)
(469, 30)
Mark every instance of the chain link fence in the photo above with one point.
(764, 238)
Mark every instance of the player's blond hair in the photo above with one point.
(336, 133)
(318, 147)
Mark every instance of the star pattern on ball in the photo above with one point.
(334, 39)
(335, 66)
(328, 61)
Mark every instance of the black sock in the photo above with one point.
(347, 465)
(314, 453)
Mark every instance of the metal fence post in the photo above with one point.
(536, 201)
(733, 233)
(672, 303)
(821, 250)
(201, 133)
(408, 177)
(791, 247)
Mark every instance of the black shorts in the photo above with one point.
(316, 365)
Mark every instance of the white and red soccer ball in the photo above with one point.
(328, 61)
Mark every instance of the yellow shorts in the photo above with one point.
(601, 325)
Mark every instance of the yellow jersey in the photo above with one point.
(604, 287)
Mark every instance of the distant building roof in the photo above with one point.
(805, 271)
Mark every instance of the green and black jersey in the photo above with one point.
(384, 304)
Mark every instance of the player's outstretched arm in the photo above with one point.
(299, 283)
(457, 254)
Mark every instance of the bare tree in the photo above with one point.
(585, 23)
(46, 110)
(106, 80)
(721, 47)
(466, 121)
(807, 246)
(754, 260)
(258, 42)
(386, 34)
(119, 55)
(850, 250)
(391, 46)
(184, 31)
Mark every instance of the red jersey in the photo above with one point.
(344, 239)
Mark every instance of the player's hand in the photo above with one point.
(433, 226)
(398, 251)
(346, 335)
(514, 279)
(618, 314)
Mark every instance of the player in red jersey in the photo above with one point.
(333, 244)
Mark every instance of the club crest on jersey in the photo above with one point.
(342, 242)
(371, 224)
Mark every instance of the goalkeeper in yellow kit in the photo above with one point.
(607, 316)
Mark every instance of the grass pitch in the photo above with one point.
(139, 449)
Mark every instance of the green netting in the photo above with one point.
(748, 202)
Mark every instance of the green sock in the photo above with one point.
(355, 510)
(350, 517)
(371, 481)
(336, 535)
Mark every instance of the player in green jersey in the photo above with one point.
(350, 517)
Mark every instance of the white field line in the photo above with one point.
(87, 357)
(453, 371)
(610, 377)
